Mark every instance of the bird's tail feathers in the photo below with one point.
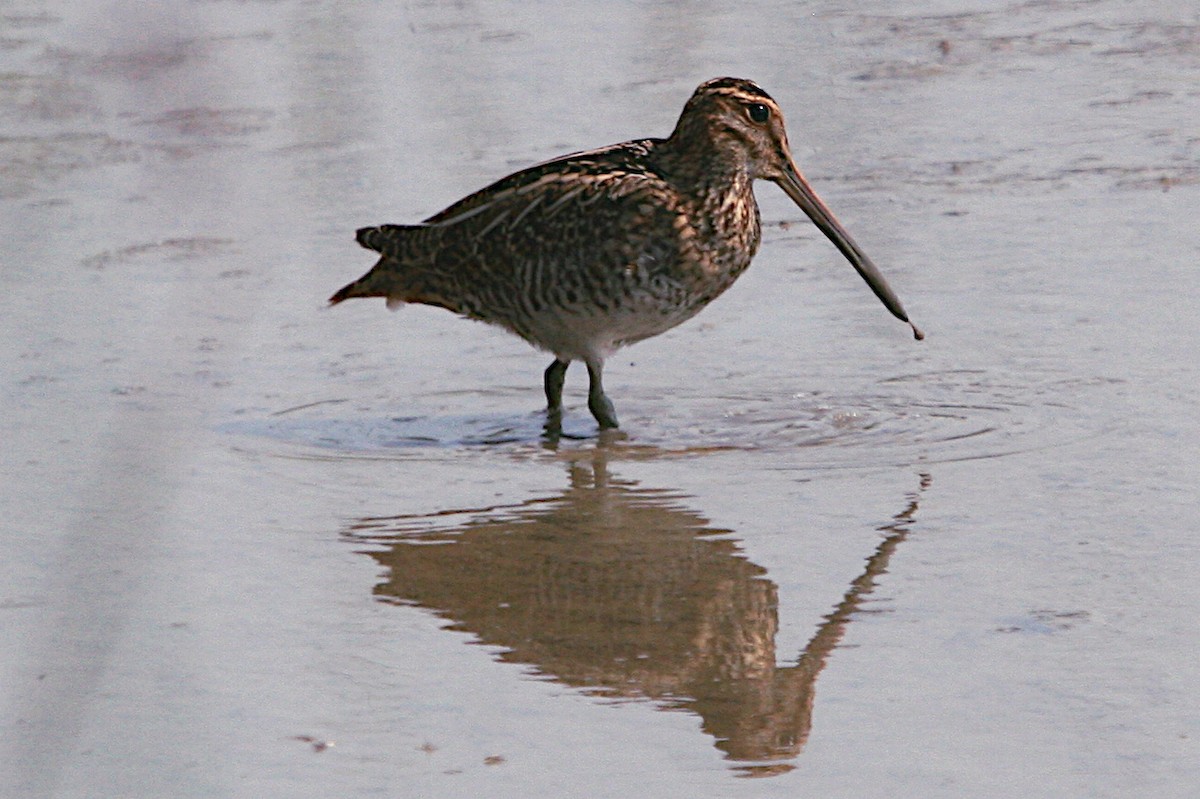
(388, 240)
(385, 278)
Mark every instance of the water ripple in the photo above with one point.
(926, 417)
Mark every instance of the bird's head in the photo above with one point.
(739, 127)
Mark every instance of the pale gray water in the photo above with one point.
(238, 527)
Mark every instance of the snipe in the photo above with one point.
(592, 251)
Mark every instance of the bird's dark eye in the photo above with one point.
(758, 112)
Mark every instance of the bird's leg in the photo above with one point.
(600, 405)
(556, 373)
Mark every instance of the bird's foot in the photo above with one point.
(602, 408)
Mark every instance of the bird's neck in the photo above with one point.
(700, 169)
(716, 184)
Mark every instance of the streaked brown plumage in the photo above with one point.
(596, 250)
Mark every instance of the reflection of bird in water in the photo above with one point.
(787, 694)
(625, 592)
(590, 252)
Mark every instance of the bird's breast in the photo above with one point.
(718, 239)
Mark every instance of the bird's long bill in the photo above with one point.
(796, 187)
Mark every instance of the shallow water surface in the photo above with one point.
(256, 547)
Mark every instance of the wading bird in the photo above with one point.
(592, 251)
